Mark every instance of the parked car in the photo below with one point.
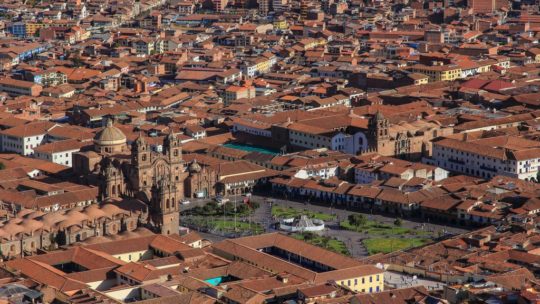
(185, 202)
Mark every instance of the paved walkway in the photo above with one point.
(352, 239)
(263, 215)
(342, 214)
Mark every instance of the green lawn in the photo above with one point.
(213, 209)
(387, 245)
(323, 241)
(243, 226)
(288, 212)
(372, 227)
(223, 224)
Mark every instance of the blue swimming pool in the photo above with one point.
(214, 281)
(249, 148)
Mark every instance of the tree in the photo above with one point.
(2, 166)
(210, 208)
(308, 236)
(325, 242)
(356, 220)
(397, 222)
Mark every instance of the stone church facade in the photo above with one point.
(159, 179)
(407, 140)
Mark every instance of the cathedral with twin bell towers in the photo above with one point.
(156, 177)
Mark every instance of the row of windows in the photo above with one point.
(377, 279)
(296, 141)
(13, 138)
(12, 145)
(14, 88)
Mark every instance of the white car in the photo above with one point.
(186, 202)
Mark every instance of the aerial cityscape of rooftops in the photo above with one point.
(270, 151)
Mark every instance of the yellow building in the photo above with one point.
(311, 43)
(438, 72)
(262, 65)
(281, 255)
(32, 28)
(366, 279)
(281, 24)
(484, 67)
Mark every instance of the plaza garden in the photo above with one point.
(325, 242)
(289, 212)
(385, 238)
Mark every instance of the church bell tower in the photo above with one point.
(165, 210)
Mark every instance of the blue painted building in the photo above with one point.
(18, 29)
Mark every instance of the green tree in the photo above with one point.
(210, 208)
(357, 220)
(308, 236)
(397, 222)
(325, 242)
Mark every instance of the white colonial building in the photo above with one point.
(59, 152)
(311, 137)
(23, 139)
(253, 127)
(489, 157)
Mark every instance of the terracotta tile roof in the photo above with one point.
(60, 146)
(30, 129)
(398, 296)
(45, 274)
(168, 245)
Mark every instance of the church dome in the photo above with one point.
(110, 135)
